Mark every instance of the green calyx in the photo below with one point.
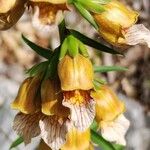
(72, 46)
(85, 7)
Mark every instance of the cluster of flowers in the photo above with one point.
(61, 110)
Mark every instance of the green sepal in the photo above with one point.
(92, 43)
(17, 142)
(83, 49)
(102, 69)
(100, 81)
(63, 49)
(93, 6)
(86, 14)
(72, 46)
(46, 53)
(96, 85)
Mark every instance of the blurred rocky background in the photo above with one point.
(132, 86)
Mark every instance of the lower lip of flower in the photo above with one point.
(77, 97)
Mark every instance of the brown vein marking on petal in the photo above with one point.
(138, 34)
(82, 109)
(54, 130)
(10, 18)
(48, 11)
(27, 126)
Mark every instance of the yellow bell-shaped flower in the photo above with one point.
(75, 73)
(77, 140)
(114, 20)
(108, 106)
(52, 97)
(28, 99)
(10, 12)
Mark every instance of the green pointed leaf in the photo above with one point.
(102, 69)
(52, 67)
(17, 142)
(46, 53)
(86, 14)
(92, 43)
(62, 31)
(100, 141)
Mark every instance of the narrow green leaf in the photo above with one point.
(17, 142)
(109, 68)
(118, 147)
(86, 15)
(100, 141)
(94, 126)
(52, 67)
(83, 50)
(92, 43)
(46, 53)
(62, 31)
(38, 68)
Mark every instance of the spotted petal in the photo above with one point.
(53, 131)
(27, 126)
(83, 115)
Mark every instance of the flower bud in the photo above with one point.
(28, 100)
(114, 20)
(75, 73)
(10, 12)
(108, 106)
(52, 99)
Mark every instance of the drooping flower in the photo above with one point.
(109, 115)
(118, 25)
(49, 119)
(76, 77)
(46, 12)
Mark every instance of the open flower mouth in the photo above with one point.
(82, 108)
